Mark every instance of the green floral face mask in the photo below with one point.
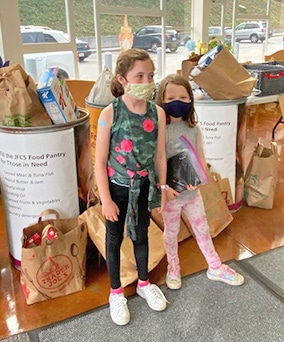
(140, 91)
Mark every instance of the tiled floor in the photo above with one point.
(252, 231)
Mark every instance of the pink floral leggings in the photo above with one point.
(195, 213)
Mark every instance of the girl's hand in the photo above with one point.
(172, 194)
(191, 187)
(110, 211)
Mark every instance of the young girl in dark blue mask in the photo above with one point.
(176, 97)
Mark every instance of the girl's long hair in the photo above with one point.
(181, 81)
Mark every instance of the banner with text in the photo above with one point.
(219, 127)
(38, 172)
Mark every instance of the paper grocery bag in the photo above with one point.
(216, 209)
(128, 272)
(224, 187)
(19, 102)
(261, 176)
(53, 265)
(184, 232)
(217, 212)
(188, 65)
(225, 78)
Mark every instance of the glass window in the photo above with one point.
(177, 14)
(133, 3)
(248, 7)
(43, 23)
(49, 38)
(32, 37)
(41, 14)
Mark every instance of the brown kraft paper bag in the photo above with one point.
(224, 187)
(183, 234)
(224, 78)
(19, 102)
(217, 212)
(128, 273)
(261, 176)
(56, 268)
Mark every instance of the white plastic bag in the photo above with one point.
(100, 94)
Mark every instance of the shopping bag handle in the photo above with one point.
(48, 212)
(216, 176)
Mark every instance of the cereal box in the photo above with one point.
(56, 97)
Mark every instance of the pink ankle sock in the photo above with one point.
(142, 283)
(117, 291)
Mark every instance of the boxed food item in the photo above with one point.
(56, 97)
(270, 77)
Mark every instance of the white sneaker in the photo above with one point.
(119, 312)
(153, 296)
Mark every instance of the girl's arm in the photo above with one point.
(109, 208)
(160, 155)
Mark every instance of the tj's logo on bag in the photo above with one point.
(254, 181)
(55, 272)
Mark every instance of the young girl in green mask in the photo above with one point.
(130, 163)
(176, 97)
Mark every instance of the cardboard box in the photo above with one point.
(56, 97)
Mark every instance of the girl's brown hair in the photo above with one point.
(125, 62)
(182, 81)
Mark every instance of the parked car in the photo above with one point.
(150, 38)
(83, 49)
(216, 33)
(251, 30)
(37, 62)
(43, 34)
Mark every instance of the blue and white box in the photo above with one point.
(56, 97)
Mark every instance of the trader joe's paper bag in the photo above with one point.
(53, 257)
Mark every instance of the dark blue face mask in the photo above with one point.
(177, 108)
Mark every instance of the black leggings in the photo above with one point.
(115, 230)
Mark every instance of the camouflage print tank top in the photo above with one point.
(131, 157)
